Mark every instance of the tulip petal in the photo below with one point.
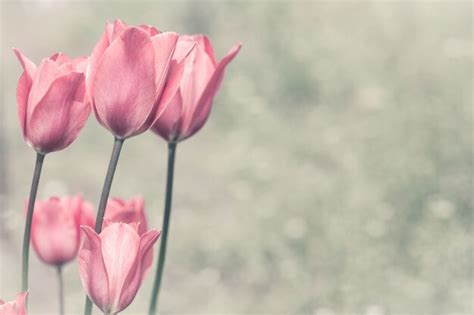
(170, 121)
(203, 108)
(22, 93)
(124, 84)
(60, 58)
(47, 72)
(21, 303)
(23, 87)
(137, 272)
(28, 66)
(94, 60)
(151, 30)
(92, 269)
(51, 127)
(199, 70)
(175, 76)
(164, 45)
(209, 50)
(115, 29)
(120, 248)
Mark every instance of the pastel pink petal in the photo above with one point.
(60, 115)
(80, 64)
(60, 58)
(24, 87)
(120, 247)
(21, 303)
(209, 50)
(199, 70)
(137, 272)
(184, 46)
(92, 269)
(138, 204)
(169, 123)
(47, 72)
(171, 88)
(204, 105)
(28, 66)
(124, 85)
(114, 30)
(151, 30)
(164, 45)
(175, 76)
(87, 215)
(22, 93)
(93, 64)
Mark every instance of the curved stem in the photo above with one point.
(59, 271)
(164, 232)
(103, 199)
(29, 219)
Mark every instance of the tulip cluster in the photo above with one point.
(136, 79)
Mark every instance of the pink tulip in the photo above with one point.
(127, 77)
(50, 101)
(190, 106)
(112, 265)
(55, 231)
(119, 210)
(17, 307)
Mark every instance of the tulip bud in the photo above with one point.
(50, 101)
(17, 307)
(189, 108)
(55, 230)
(112, 264)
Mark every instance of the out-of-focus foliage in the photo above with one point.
(333, 177)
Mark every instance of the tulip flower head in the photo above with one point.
(55, 231)
(112, 264)
(127, 77)
(132, 211)
(17, 307)
(190, 106)
(50, 101)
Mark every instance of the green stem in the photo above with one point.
(164, 232)
(59, 271)
(29, 219)
(103, 199)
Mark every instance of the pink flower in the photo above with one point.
(50, 101)
(17, 307)
(55, 230)
(190, 106)
(127, 77)
(112, 265)
(132, 211)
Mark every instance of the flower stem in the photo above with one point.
(29, 219)
(59, 270)
(164, 232)
(103, 199)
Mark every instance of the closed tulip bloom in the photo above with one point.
(17, 307)
(127, 77)
(112, 265)
(50, 101)
(190, 106)
(55, 231)
(131, 211)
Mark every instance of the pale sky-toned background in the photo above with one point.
(333, 177)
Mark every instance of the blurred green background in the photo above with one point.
(335, 175)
